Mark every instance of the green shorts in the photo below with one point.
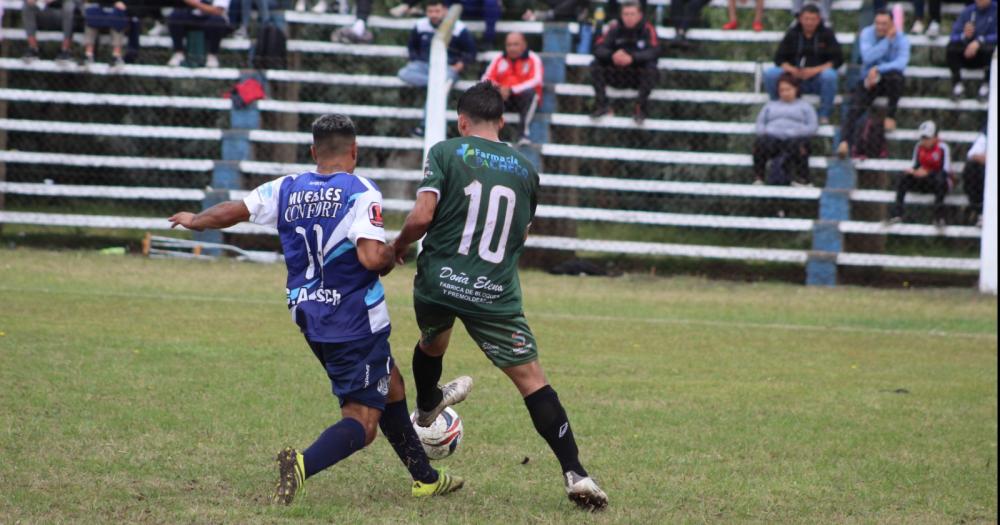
(506, 342)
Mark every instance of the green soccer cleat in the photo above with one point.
(445, 484)
(291, 476)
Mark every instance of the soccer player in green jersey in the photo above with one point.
(475, 204)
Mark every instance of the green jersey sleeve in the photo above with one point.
(433, 172)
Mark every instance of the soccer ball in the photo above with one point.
(442, 438)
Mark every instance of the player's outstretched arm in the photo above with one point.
(376, 256)
(416, 225)
(222, 215)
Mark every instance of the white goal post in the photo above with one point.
(988, 253)
(438, 84)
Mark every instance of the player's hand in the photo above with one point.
(969, 30)
(619, 58)
(391, 264)
(908, 171)
(891, 33)
(528, 16)
(120, 6)
(400, 253)
(920, 172)
(458, 67)
(972, 49)
(185, 219)
(505, 92)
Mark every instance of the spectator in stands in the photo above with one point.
(625, 57)
(884, 56)
(319, 7)
(930, 173)
(558, 11)
(809, 52)
(461, 50)
(974, 178)
(32, 10)
(934, 29)
(357, 32)
(110, 15)
(486, 10)
(195, 15)
(784, 128)
(684, 14)
(825, 9)
(758, 14)
(245, 10)
(518, 74)
(973, 39)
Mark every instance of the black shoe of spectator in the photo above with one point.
(601, 111)
(417, 132)
(64, 57)
(30, 55)
(640, 115)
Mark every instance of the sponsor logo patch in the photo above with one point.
(375, 215)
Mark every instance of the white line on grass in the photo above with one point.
(572, 317)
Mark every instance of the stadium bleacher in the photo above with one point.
(680, 186)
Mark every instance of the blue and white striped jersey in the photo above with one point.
(320, 218)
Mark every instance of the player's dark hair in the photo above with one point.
(333, 134)
(629, 3)
(810, 8)
(481, 103)
(429, 3)
(883, 11)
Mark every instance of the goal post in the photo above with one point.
(988, 252)
(438, 84)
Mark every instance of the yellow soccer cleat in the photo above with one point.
(445, 484)
(291, 476)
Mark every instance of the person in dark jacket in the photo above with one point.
(625, 57)
(810, 53)
(461, 50)
(973, 39)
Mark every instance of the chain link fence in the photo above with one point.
(625, 181)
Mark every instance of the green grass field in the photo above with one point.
(138, 390)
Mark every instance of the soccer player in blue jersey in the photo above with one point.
(330, 225)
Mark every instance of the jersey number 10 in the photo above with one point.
(498, 193)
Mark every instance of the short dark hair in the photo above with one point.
(630, 3)
(789, 79)
(811, 8)
(481, 103)
(883, 11)
(333, 133)
(429, 3)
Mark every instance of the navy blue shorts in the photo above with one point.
(358, 370)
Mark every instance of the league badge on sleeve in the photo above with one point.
(375, 214)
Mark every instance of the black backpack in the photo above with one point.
(271, 49)
(869, 138)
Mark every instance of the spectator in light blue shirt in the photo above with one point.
(884, 56)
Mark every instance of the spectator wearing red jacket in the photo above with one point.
(930, 173)
(518, 74)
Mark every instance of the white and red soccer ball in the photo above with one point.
(442, 438)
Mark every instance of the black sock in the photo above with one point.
(551, 422)
(398, 430)
(426, 374)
